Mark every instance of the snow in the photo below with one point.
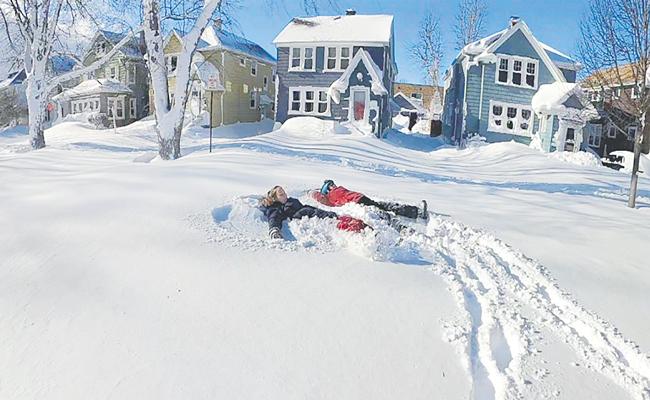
(93, 87)
(581, 158)
(370, 29)
(123, 276)
(628, 161)
(220, 39)
(550, 98)
(343, 82)
(311, 127)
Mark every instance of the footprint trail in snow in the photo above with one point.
(506, 298)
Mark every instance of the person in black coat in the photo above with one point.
(277, 207)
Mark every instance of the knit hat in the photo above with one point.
(326, 186)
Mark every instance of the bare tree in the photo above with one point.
(615, 51)
(469, 23)
(170, 109)
(427, 50)
(311, 7)
(39, 23)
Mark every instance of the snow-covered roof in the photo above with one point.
(370, 29)
(550, 100)
(376, 75)
(212, 39)
(93, 86)
(131, 49)
(408, 103)
(485, 46)
(14, 78)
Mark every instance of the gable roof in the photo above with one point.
(554, 59)
(369, 29)
(215, 39)
(551, 99)
(410, 104)
(341, 85)
(609, 77)
(93, 86)
(14, 78)
(131, 49)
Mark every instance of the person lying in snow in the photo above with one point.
(277, 207)
(336, 196)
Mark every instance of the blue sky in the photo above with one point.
(554, 22)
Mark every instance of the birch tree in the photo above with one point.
(170, 113)
(469, 22)
(615, 52)
(39, 24)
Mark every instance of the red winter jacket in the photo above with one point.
(337, 197)
(347, 223)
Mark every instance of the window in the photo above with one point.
(611, 132)
(338, 58)
(417, 95)
(253, 101)
(302, 59)
(266, 83)
(254, 68)
(228, 86)
(515, 119)
(617, 93)
(631, 132)
(635, 92)
(245, 88)
(133, 108)
(111, 107)
(172, 63)
(119, 106)
(131, 73)
(90, 75)
(309, 100)
(113, 73)
(100, 48)
(512, 69)
(242, 61)
(595, 133)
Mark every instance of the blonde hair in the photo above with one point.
(271, 196)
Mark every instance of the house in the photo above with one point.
(337, 68)
(424, 93)
(15, 85)
(510, 86)
(119, 88)
(245, 72)
(407, 105)
(617, 94)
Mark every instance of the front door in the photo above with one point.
(570, 141)
(359, 107)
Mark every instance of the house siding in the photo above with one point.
(322, 79)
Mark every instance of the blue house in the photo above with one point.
(510, 86)
(337, 68)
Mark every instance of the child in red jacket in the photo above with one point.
(336, 196)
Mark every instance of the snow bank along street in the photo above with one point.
(123, 276)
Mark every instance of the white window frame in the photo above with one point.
(131, 72)
(611, 129)
(245, 88)
(518, 131)
(171, 71)
(252, 100)
(114, 74)
(242, 61)
(594, 137)
(116, 101)
(416, 96)
(100, 48)
(510, 71)
(79, 106)
(338, 57)
(633, 128)
(635, 92)
(133, 108)
(228, 86)
(303, 100)
(253, 68)
(301, 57)
(266, 82)
(616, 94)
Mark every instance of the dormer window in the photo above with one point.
(302, 59)
(100, 47)
(517, 71)
(338, 58)
(172, 63)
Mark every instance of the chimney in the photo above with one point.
(217, 24)
(514, 20)
(350, 11)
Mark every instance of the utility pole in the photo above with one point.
(638, 141)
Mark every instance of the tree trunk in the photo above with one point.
(166, 148)
(36, 110)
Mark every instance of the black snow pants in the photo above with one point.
(403, 210)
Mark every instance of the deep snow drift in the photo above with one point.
(123, 276)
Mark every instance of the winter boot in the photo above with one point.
(274, 233)
(423, 213)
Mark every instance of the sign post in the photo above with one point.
(210, 123)
(210, 81)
